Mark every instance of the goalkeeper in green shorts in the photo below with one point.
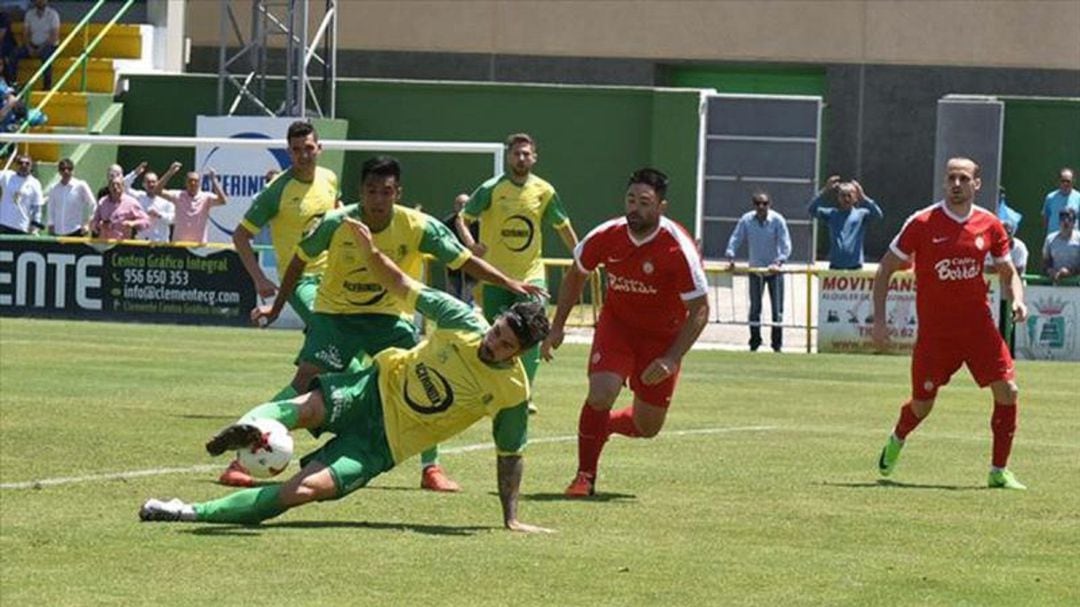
(512, 210)
(405, 402)
(353, 315)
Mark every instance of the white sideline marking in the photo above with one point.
(114, 476)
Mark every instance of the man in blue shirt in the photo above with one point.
(770, 245)
(846, 221)
(1065, 197)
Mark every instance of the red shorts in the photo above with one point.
(619, 349)
(936, 358)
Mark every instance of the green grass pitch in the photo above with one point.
(762, 489)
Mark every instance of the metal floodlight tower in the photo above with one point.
(244, 72)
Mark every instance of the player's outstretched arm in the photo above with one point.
(889, 264)
(511, 468)
(382, 267)
(485, 272)
(663, 367)
(568, 236)
(573, 284)
(265, 315)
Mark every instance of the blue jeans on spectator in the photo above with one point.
(775, 284)
(44, 52)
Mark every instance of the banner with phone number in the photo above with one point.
(80, 280)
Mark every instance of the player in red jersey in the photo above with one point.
(655, 307)
(948, 242)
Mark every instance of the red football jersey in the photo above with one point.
(647, 280)
(949, 252)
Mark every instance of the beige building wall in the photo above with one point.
(987, 33)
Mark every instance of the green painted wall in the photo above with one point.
(590, 138)
(1041, 136)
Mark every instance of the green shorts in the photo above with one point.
(359, 451)
(332, 340)
(303, 298)
(495, 300)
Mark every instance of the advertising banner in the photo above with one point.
(1051, 331)
(846, 311)
(242, 171)
(124, 282)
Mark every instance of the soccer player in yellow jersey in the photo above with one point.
(353, 313)
(512, 210)
(406, 401)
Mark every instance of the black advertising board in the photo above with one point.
(91, 281)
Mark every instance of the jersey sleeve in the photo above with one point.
(587, 253)
(999, 243)
(690, 271)
(510, 429)
(478, 203)
(445, 310)
(438, 241)
(265, 206)
(554, 212)
(907, 240)
(319, 240)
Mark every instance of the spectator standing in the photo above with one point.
(70, 203)
(846, 221)
(118, 214)
(769, 241)
(42, 31)
(1065, 196)
(21, 199)
(192, 204)
(459, 283)
(1061, 252)
(8, 46)
(160, 211)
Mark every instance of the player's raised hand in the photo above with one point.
(658, 370)
(362, 233)
(520, 527)
(263, 316)
(880, 334)
(265, 287)
(552, 342)
(531, 290)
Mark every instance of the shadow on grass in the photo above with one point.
(253, 530)
(559, 497)
(203, 416)
(890, 484)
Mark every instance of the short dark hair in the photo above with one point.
(529, 322)
(301, 128)
(516, 138)
(382, 166)
(760, 195)
(651, 177)
(1067, 213)
(65, 163)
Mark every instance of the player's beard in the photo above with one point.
(639, 225)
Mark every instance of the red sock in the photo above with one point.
(592, 434)
(622, 422)
(907, 422)
(1003, 425)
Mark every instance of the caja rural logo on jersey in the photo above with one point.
(437, 394)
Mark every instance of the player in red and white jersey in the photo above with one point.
(948, 243)
(655, 308)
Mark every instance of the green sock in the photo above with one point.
(429, 457)
(286, 393)
(531, 359)
(245, 507)
(354, 365)
(285, 411)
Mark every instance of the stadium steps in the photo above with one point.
(124, 41)
(100, 74)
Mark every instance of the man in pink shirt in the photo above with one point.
(192, 205)
(118, 214)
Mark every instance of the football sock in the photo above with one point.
(245, 507)
(531, 359)
(429, 457)
(286, 393)
(285, 411)
(907, 422)
(622, 422)
(1003, 425)
(354, 365)
(592, 434)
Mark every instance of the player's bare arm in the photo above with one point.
(242, 241)
(568, 236)
(1013, 289)
(462, 228)
(888, 265)
(382, 268)
(666, 365)
(573, 285)
(265, 315)
(484, 271)
(510, 470)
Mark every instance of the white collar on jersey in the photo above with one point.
(953, 216)
(638, 242)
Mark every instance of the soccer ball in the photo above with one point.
(271, 455)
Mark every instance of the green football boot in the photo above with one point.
(1004, 479)
(889, 455)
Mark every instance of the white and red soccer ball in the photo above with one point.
(271, 454)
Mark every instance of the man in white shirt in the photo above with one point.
(42, 34)
(70, 203)
(20, 199)
(161, 211)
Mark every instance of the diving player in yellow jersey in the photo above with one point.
(405, 402)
